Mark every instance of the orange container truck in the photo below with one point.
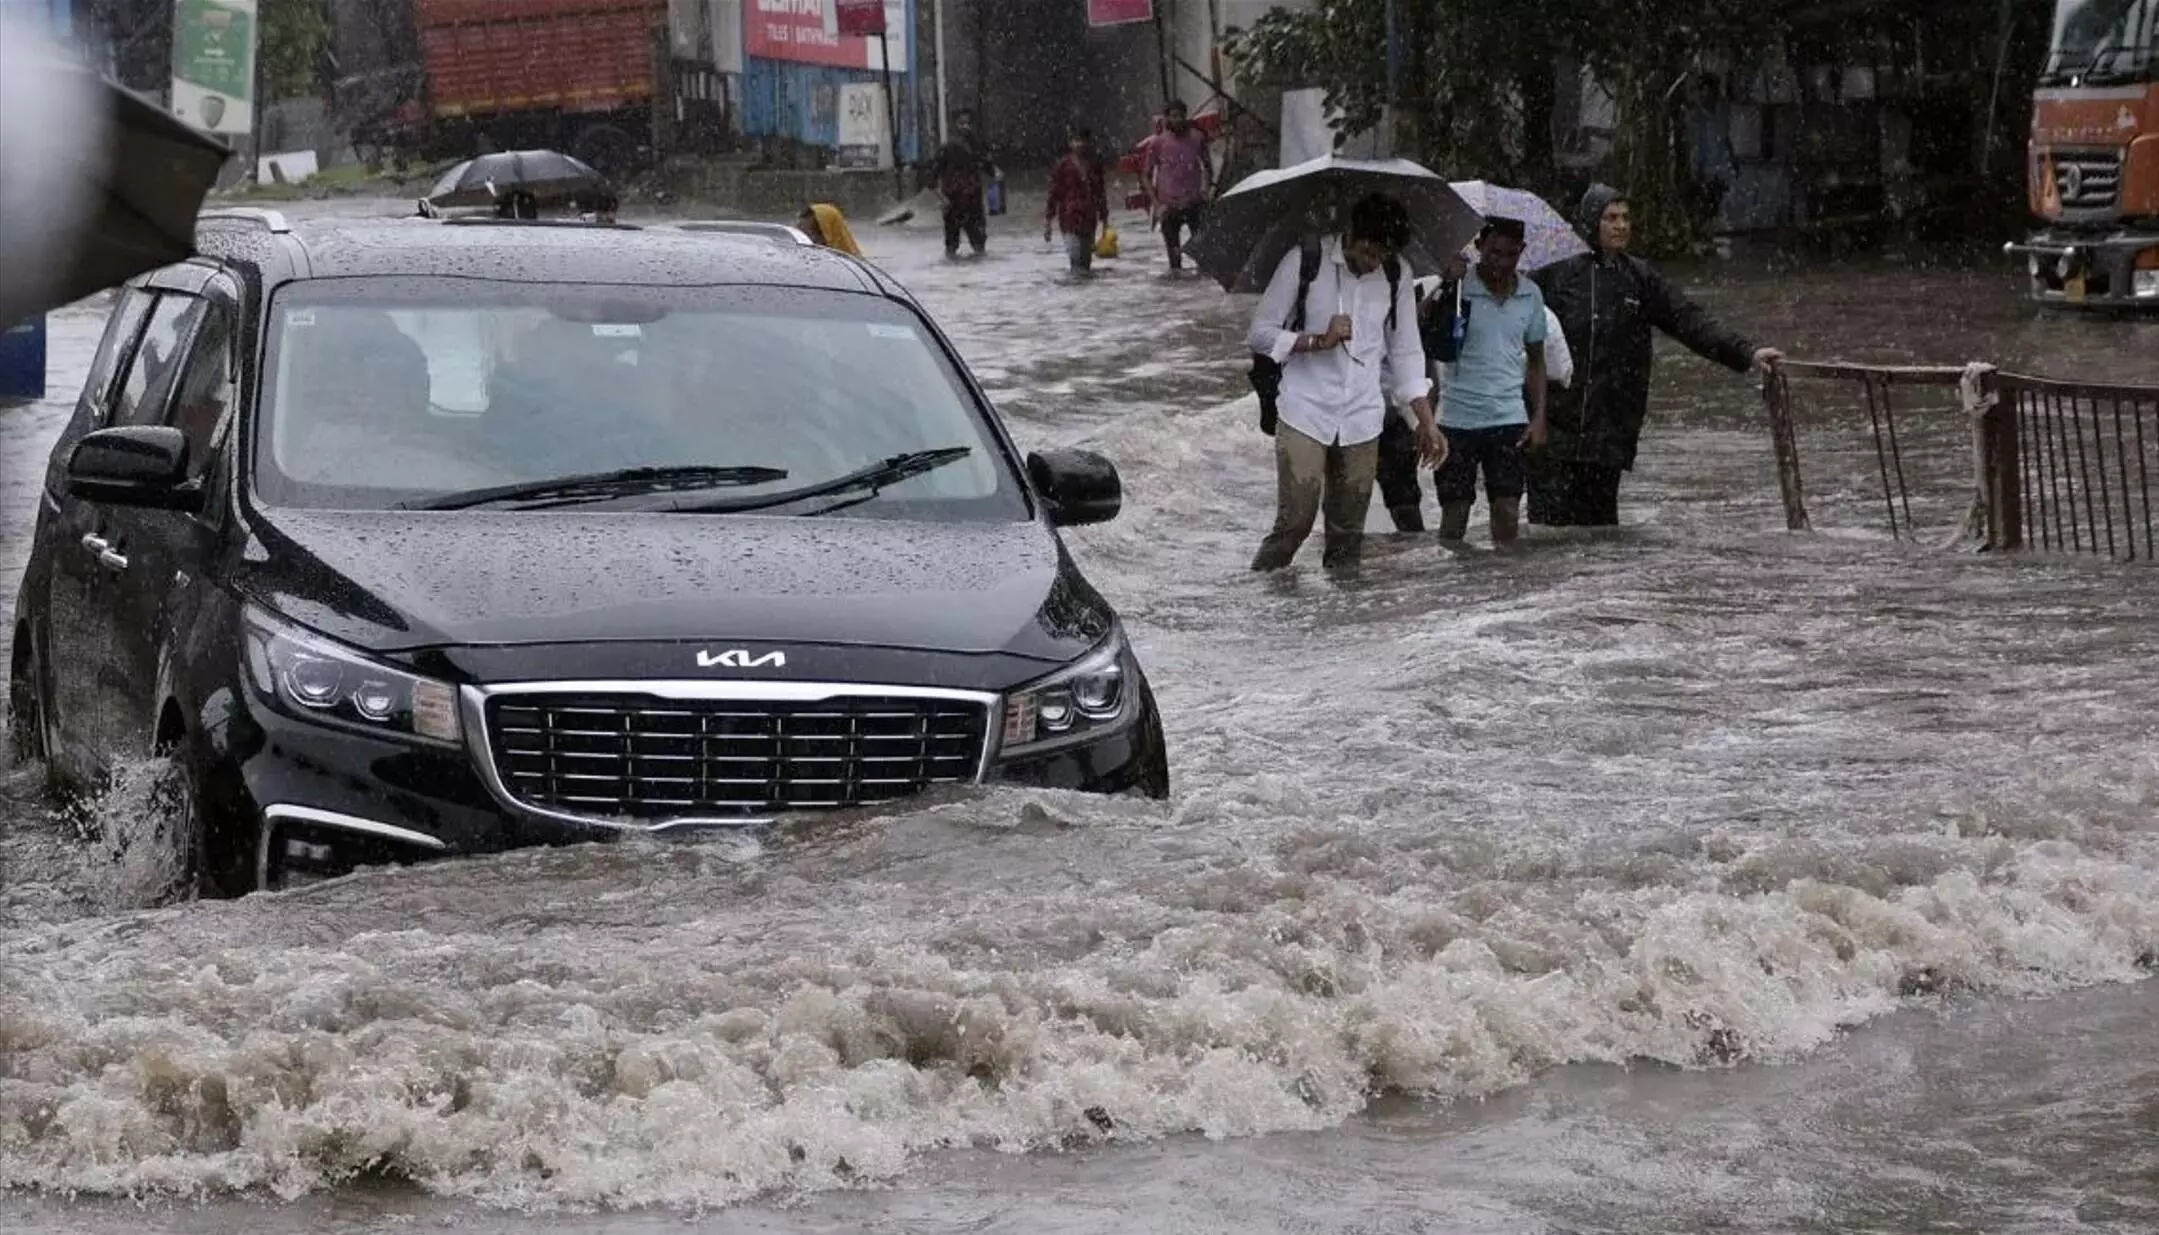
(2093, 169)
(447, 78)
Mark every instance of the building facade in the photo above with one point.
(1030, 69)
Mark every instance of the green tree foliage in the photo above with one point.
(1339, 44)
(1479, 81)
(1478, 90)
(295, 39)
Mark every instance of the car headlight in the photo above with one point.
(313, 678)
(1088, 699)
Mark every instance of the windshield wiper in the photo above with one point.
(871, 479)
(620, 482)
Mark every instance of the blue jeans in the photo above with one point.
(1079, 250)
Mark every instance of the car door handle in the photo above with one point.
(106, 556)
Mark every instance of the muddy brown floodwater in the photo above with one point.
(1696, 877)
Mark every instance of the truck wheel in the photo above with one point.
(605, 149)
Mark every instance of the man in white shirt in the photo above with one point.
(1336, 382)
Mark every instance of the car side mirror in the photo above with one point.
(1077, 486)
(133, 465)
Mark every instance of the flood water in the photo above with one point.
(1695, 877)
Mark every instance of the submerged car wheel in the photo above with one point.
(209, 851)
(25, 718)
(32, 736)
(1154, 783)
(164, 847)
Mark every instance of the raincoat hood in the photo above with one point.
(834, 226)
(1591, 212)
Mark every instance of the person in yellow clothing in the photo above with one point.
(823, 223)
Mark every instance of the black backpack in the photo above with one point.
(1444, 330)
(1266, 374)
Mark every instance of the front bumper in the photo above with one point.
(262, 777)
(375, 799)
(2092, 270)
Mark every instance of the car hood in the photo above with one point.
(400, 581)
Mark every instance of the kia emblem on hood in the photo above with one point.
(740, 658)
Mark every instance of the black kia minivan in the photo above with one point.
(408, 537)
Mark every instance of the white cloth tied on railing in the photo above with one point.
(1976, 394)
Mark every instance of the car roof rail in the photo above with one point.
(489, 220)
(786, 232)
(272, 219)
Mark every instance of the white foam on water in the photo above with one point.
(1695, 793)
(736, 1046)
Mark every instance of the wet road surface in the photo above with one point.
(1821, 837)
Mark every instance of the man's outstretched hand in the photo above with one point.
(1766, 359)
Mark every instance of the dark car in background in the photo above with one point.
(406, 537)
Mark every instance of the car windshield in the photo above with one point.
(405, 393)
(2104, 39)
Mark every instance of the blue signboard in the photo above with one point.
(22, 346)
(57, 14)
(22, 360)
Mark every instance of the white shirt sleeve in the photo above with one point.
(1558, 361)
(1405, 370)
(1275, 305)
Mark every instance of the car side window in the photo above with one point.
(206, 387)
(120, 331)
(149, 376)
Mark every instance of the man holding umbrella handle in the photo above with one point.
(1335, 383)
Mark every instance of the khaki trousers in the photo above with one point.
(1310, 478)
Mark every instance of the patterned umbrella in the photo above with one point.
(1550, 237)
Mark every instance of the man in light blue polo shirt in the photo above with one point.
(1494, 406)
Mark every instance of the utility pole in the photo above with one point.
(2005, 24)
(1161, 51)
(892, 113)
(944, 107)
(1394, 56)
(257, 110)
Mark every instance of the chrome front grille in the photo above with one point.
(2088, 179)
(607, 756)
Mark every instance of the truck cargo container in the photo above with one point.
(434, 79)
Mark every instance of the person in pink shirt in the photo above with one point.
(1179, 176)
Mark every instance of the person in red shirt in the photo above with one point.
(1079, 201)
(1179, 173)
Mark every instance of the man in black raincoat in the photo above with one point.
(1610, 304)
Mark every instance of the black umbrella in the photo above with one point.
(146, 181)
(547, 175)
(1249, 228)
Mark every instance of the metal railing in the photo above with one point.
(2070, 466)
(2054, 465)
(1875, 388)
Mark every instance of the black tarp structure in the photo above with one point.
(146, 183)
